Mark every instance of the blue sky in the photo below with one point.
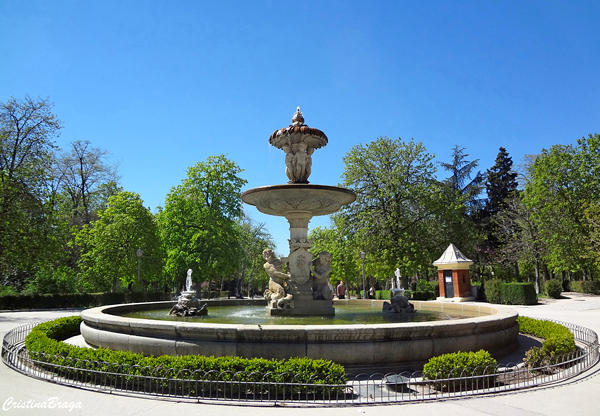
(163, 85)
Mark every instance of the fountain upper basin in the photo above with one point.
(314, 199)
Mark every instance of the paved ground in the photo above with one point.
(577, 397)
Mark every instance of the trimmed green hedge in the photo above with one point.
(558, 340)
(553, 288)
(43, 344)
(518, 294)
(492, 291)
(585, 286)
(80, 300)
(458, 364)
(510, 293)
(383, 294)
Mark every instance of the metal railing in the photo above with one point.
(270, 387)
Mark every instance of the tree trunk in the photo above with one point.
(537, 277)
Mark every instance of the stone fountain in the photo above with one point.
(297, 291)
(298, 287)
(187, 303)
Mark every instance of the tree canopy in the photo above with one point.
(564, 186)
(109, 246)
(198, 225)
(28, 129)
(400, 205)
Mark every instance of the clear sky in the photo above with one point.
(163, 85)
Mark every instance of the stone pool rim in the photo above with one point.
(391, 345)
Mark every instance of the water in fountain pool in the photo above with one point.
(344, 315)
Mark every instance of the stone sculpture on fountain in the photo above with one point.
(399, 304)
(276, 294)
(187, 303)
(298, 201)
(321, 271)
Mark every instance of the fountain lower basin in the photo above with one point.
(390, 345)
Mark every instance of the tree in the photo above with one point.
(464, 188)
(461, 181)
(564, 186)
(518, 237)
(401, 209)
(592, 215)
(254, 238)
(344, 251)
(86, 176)
(27, 132)
(109, 246)
(198, 224)
(501, 184)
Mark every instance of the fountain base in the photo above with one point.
(390, 345)
(303, 307)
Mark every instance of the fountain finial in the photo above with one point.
(298, 119)
(298, 141)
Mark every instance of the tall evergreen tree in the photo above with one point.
(501, 183)
(469, 188)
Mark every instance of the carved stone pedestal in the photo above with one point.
(304, 308)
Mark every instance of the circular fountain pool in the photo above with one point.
(382, 345)
(344, 315)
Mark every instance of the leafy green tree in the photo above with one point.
(343, 247)
(564, 184)
(198, 224)
(518, 237)
(401, 209)
(109, 246)
(254, 238)
(592, 215)
(27, 132)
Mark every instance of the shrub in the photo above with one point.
(436, 290)
(383, 294)
(8, 291)
(558, 341)
(421, 290)
(553, 288)
(79, 300)
(441, 368)
(423, 295)
(495, 291)
(492, 291)
(518, 294)
(585, 286)
(43, 344)
(49, 279)
(424, 286)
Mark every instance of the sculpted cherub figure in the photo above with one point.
(308, 169)
(321, 270)
(277, 278)
(300, 161)
(289, 162)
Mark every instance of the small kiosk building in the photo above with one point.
(453, 275)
